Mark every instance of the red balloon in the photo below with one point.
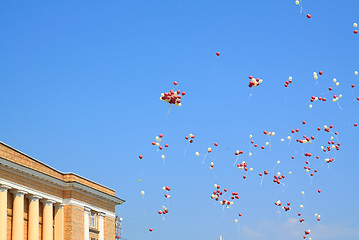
(175, 83)
(355, 31)
(260, 174)
(319, 191)
(166, 145)
(320, 72)
(140, 156)
(355, 124)
(217, 53)
(183, 93)
(244, 176)
(215, 144)
(150, 229)
(309, 16)
(303, 122)
(240, 214)
(153, 143)
(160, 147)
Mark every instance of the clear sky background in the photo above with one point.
(80, 88)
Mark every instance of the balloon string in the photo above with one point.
(235, 161)
(169, 110)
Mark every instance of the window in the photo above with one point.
(93, 220)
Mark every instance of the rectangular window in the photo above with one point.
(93, 220)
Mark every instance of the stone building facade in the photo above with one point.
(38, 202)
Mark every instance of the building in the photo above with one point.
(38, 202)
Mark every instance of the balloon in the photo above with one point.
(309, 16)
(355, 25)
(278, 162)
(139, 180)
(209, 149)
(310, 105)
(356, 73)
(290, 172)
(297, 2)
(197, 154)
(301, 206)
(140, 157)
(355, 31)
(217, 53)
(250, 154)
(282, 140)
(157, 144)
(143, 193)
(302, 192)
(163, 156)
(150, 229)
(250, 136)
(175, 83)
(337, 83)
(236, 220)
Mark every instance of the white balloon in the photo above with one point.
(297, 2)
(282, 140)
(168, 196)
(310, 105)
(331, 138)
(302, 192)
(307, 170)
(301, 206)
(314, 74)
(273, 133)
(197, 154)
(179, 104)
(278, 174)
(340, 96)
(251, 169)
(278, 162)
(250, 136)
(236, 220)
(142, 193)
(290, 172)
(337, 84)
(157, 144)
(315, 77)
(139, 180)
(163, 156)
(250, 154)
(355, 24)
(334, 80)
(356, 73)
(290, 78)
(267, 143)
(260, 80)
(288, 137)
(316, 214)
(209, 149)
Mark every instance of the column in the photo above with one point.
(101, 226)
(47, 222)
(3, 211)
(33, 227)
(87, 222)
(59, 222)
(18, 215)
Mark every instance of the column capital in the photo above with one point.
(4, 187)
(102, 214)
(18, 193)
(47, 201)
(87, 209)
(33, 197)
(59, 206)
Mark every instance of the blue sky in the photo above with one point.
(80, 88)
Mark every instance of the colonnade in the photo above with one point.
(52, 223)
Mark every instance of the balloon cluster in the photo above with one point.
(288, 82)
(173, 97)
(188, 138)
(157, 144)
(278, 177)
(356, 30)
(216, 195)
(254, 82)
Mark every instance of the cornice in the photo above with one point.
(60, 184)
